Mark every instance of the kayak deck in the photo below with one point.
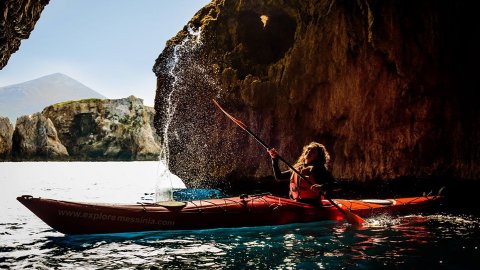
(254, 210)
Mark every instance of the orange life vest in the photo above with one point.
(299, 188)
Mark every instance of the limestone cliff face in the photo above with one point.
(6, 132)
(16, 23)
(35, 138)
(387, 86)
(110, 129)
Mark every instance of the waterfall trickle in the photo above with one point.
(167, 182)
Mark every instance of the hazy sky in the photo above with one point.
(108, 45)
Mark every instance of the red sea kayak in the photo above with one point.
(254, 210)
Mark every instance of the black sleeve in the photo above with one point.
(331, 180)
(279, 175)
(324, 177)
(330, 183)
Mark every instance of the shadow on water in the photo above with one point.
(82, 242)
(250, 247)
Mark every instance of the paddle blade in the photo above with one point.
(354, 219)
(349, 216)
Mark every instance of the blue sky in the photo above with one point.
(108, 45)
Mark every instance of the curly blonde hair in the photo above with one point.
(323, 155)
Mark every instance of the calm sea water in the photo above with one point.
(439, 240)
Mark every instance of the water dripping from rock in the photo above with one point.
(167, 182)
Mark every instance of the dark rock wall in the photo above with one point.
(387, 86)
(16, 23)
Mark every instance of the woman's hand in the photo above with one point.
(273, 153)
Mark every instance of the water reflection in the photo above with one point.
(384, 242)
(383, 238)
(405, 241)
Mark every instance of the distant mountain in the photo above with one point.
(33, 96)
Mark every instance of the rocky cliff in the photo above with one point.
(35, 138)
(387, 86)
(90, 129)
(105, 129)
(6, 132)
(18, 20)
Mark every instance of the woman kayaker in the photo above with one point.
(312, 164)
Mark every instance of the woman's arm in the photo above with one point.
(279, 175)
